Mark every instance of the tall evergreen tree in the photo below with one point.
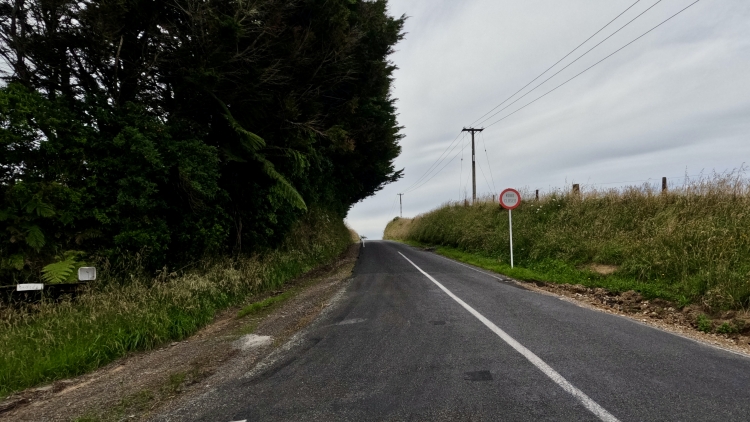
(190, 126)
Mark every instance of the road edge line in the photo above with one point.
(585, 400)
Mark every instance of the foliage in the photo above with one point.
(63, 270)
(126, 310)
(264, 304)
(189, 128)
(689, 245)
(704, 323)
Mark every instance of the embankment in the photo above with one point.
(689, 245)
(127, 310)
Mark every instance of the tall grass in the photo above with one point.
(691, 244)
(127, 311)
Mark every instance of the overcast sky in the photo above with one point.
(675, 102)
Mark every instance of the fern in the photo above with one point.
(249, 140)
(42, 209)
(254, 143)
(286, 188)
(35, 237)
(62, 271)
(58, 272)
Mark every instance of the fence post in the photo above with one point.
(663, 185)
(576, 189)
(537, 194)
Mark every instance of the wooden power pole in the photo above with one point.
(473, 164)
(400, 206)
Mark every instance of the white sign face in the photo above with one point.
(87, 273)
(510, 199)
(29, 287)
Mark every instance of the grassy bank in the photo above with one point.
(127, 311)
(690, 245)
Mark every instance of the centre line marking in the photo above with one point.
(585, 400)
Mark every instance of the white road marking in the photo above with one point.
(351, 321)
(587, 402)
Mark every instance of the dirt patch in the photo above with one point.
(139, 385)
(729, 330)
(603, 269)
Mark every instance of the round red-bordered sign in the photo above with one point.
(510, 199)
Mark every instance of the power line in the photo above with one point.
(438, 172)
(441, 169)
(569, 64)
(593, 65)
(557, 62)
(437, 162)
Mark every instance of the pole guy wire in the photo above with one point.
(484, 143)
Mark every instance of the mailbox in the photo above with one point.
(87, 273)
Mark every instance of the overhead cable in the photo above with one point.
(441, 168)
(593, 65)
(569, 64)
(437, 162)
(557, 62)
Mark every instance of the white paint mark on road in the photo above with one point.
(351, 321)
(252, 341)
(587, 402)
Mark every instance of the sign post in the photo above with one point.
(510, 199)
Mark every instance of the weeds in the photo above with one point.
(126, 310)
(689, 245)
(704, 323)
(256, 307)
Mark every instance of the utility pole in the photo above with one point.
(473, 164)
(400, 206)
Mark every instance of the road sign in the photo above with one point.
(29, 287)
(510, 199)
(87, 274)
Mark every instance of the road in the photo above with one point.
(416, 336)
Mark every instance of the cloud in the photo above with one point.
(677, 100)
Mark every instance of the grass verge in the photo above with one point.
(560, 272)
(689, 245)
(50, 341)
(264, 304)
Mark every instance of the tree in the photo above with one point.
(192, 126)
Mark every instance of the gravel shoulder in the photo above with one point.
(142, 385)
(657, 313)
(683, 321)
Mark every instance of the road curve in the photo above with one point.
(416, 336)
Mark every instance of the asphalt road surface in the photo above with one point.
(416, 336)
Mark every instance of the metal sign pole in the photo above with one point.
(510, 199)
(510, 224)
